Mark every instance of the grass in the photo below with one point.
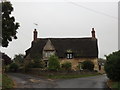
(0, 80)
(113, 84)
(7, 82)
(67, 76)
(116, 85)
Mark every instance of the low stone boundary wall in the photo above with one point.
(46, 72)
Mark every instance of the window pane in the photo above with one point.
(68, 56)
(46, 54)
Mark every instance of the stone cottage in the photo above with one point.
(74, 50)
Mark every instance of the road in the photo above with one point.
(28, 81)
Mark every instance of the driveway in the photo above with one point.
(28, 81)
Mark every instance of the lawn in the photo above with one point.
(7, 82)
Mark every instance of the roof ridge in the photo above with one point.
(67, 38)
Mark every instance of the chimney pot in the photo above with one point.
(35, 35)
(93, 32)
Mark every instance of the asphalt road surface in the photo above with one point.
(28, 81)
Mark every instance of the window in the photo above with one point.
(69, 55)
(48, 53)
(46, 63)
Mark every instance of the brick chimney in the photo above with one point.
(93, 32)
(35, 35)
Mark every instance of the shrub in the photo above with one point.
(54, 64)
(7, 82)
(35, 64)
(6, 67)
(38, 63)
(13, 67)
(112, 66)
(79, 66)
(66, 66)
(88, 65)
(30, 64)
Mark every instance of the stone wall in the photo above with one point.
(75, 62)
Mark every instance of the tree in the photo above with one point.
(88, 65)
(112, 66)
(19, 59)
(66, 66)
(13, 67)
(6, 59)
(54, 64)
(9, 26)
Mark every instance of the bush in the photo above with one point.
(79, 66)
(35, 64)
(112, 66)
(38, 63)
(30, 64)
(7, 82)
(13, 67)
(66, 66)
(88, 65)
(54, 64)
(6, 67)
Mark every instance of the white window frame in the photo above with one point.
(69, 55)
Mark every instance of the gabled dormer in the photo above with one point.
(48, 50)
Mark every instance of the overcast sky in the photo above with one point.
(65, 18)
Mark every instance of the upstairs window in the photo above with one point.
(69, 55)
(47, 54)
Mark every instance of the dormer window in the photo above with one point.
(69, 55)
(48, 49)
(47, 54)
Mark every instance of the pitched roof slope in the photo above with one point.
(81, 47)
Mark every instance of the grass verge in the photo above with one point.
(0, 80)
(67, 76)
(116, 85)
(7, 82)
(113, 84)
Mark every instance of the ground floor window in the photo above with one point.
(46, 63)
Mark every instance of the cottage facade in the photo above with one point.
(74, 50)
